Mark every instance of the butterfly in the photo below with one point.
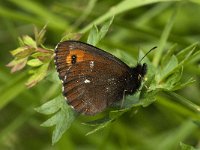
(94, 79)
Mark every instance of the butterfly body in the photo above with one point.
(92, 78)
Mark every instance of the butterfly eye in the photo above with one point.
(73, 59)
(144, 69)
(139, 76)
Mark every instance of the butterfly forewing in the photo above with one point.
(92, 79)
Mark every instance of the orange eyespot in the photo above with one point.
(77, 56)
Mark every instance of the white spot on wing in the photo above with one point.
(107, 89)
(62, 88)
(87, 81)
(71, 106)
(65, 77)
(91, 64)
(70, 46)
(111, 79)
(56, 46)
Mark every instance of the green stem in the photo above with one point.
(178, 108)
(185, 101)
(164, 37)
(121, 8)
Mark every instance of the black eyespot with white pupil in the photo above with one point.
(73, 57)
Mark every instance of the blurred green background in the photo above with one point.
(137, 25)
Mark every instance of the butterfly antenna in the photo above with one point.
(147, 54)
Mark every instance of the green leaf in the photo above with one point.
(51, 121)
(104, 29)
(38, 54)
(38, 75)
(17, 64)
(183, 53)
(101, 126)
(172, 80)
(39, 35)
(22, 52)
(148, 98)
(97, 122)
(21, 42)
(104, 122)
(125, 57)
(43, 56)
(170, 75)
(65, 117)
(168, 55)
(187, 56)
(168, 69)
(96, 35)
(17, 51)
(117, 113)
(183, 85)
(195, 57)
(51, 106)
(34, 63)
(28, 41)
(186, 147)
(93, 36)
(71, 36)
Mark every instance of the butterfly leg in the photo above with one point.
(123, 99)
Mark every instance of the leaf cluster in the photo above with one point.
(33, 54)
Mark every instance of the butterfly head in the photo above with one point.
(137, 74)
(140, 70)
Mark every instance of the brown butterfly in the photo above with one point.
(92, 78)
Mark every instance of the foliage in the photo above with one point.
(62, 119)
(33, 55)
(171, 90)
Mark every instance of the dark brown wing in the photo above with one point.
(92, 79)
